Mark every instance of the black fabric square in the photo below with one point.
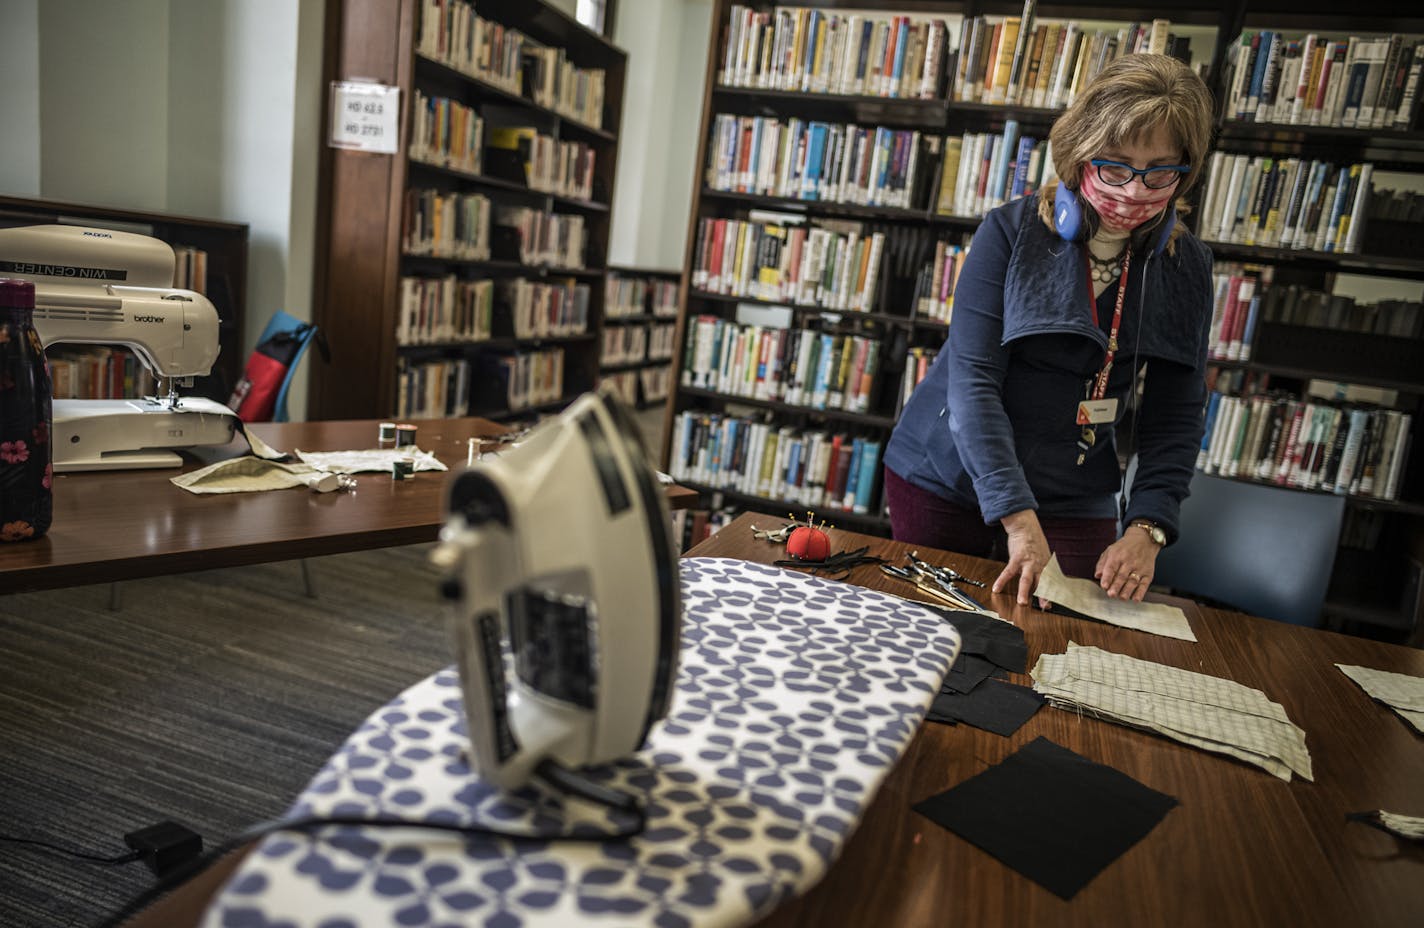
(991, 638)
(1053, 815)
(969, 671)
(994, 706)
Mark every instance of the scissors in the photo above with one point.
(933, 586)
(945, 578)
(948, 574)
(909, 576)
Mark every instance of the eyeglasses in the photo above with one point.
(1117, 174)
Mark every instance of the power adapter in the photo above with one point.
(165, 846)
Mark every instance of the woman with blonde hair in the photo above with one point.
(1008, 448)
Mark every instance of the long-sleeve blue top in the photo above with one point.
(993, 425)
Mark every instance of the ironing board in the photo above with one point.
(795, 697)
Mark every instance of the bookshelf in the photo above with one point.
(465, 274)
(640, 312)
(1338, 333)
(881, 247)
(909, 307)
(218, 248)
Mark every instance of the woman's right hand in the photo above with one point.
(1028, 554)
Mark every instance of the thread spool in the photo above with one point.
(402, 469)
(386, 434)
(405, 436)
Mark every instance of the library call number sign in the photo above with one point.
(365, 116)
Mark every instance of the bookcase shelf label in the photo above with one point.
(365, 116)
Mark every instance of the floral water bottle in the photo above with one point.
(26, 504)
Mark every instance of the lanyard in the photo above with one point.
(1100, 383)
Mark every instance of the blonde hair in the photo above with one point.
(1128, 99)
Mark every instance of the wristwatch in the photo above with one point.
(1153, 530)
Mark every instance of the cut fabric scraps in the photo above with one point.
(1086, 599)
(1203, 711)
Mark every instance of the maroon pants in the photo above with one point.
(919, 517)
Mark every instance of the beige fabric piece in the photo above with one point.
(1198, 709)
(1400, 691)
(1086, 598)
(244, 475)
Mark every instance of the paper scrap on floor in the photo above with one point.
(1197, 709)
(380, 459)
(1400, 691)
(1086, 598)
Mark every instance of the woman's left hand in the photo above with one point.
(1125, 569)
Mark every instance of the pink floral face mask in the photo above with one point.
(1122, 209)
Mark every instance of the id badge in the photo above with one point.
(1096, 412)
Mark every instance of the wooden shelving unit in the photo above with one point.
(362, 206)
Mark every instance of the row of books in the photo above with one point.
(555, 239)
(693, 526)
(1245, 297)
(629, 344)
(436, 310)
(1279, 439)
(1362, 82)
(801, 160)
(541, 309)
(809, 467)
(1296, 203)
(1011, 61)
(934, 285)
(550, 165)
(982, 170)
(523, 378)
(815, 51)
(640, 387)
(551, 80)
(810, 265)
(97, 373)
(623, 384)
(432, 389)
(917, 367)
(1294, 304)
(440, 224)
(446, 133)
(800, 367)
(1395, 205)
(1236, 309)
(190, 268)
(627, 295)
(452, 33)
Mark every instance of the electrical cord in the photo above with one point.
(556, 775)
(73, 852)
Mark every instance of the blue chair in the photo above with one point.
(1257, 548)
(303, 333)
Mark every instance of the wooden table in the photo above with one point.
(1243, 848)
(124, 525)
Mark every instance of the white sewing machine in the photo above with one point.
(103, 287)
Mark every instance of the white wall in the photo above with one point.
(202, 108)
(103, 94)
(20, 111)
(667, 42)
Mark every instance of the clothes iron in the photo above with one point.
(560, 563)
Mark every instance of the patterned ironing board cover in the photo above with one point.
(795, 697)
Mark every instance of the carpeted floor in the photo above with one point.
(210, 699)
